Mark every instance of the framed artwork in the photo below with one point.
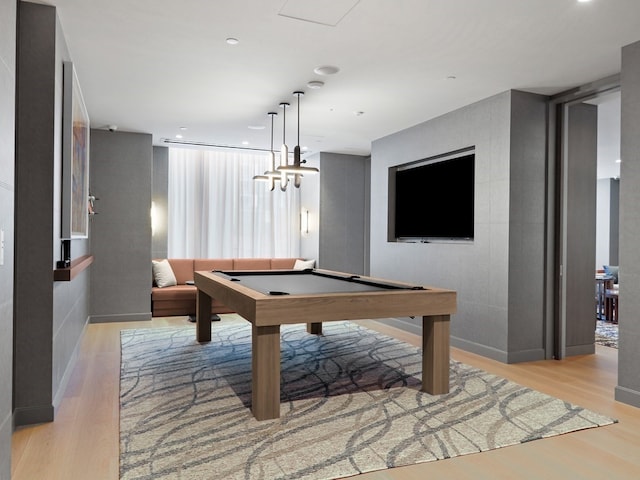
(75, 158)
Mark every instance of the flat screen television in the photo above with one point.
(433, 199)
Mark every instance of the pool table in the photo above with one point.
(272, 298)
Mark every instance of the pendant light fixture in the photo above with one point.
(284, 150)
(297, 179)
(271, 174)
(297, 170)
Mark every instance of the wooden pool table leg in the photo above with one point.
(314, 328)
(265, 371)
(435, 354)
(203, 317)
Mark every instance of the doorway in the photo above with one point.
(586, 148)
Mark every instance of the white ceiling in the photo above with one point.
(157, 65)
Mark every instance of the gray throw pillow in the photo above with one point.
(612, 270)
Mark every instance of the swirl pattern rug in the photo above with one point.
(607, 333)
(350, 403)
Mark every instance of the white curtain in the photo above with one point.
(217, 210)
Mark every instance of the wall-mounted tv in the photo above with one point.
(433, 199)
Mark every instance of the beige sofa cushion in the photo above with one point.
(183, 269)
(282, 263)
(208, 264)
(177, 292)
(252, 264)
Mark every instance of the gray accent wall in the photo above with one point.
(160, 201)
(8, 10)
(343, 213)
(121, 177)
(49, 317)
(34, 225)
(499, 277)
(338, 203)
(628, 388)
(527, 196)
(579, 185)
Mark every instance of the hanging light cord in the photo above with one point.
(271, 114)
(284, 122)
(298, 95)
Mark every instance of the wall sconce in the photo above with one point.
(304, 221)
(154, 218)
(91, 205)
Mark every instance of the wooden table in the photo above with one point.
(611, 305)
(272, 298)
(603, 283)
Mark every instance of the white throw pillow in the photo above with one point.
(163, 273)
(304, 264)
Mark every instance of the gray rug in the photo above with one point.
(350, 404)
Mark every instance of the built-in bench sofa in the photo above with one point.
(180, 299)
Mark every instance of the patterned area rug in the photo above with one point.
(607, 333)
(350, 404)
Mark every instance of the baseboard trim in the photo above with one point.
(482, 350)
(574, 350)
(6, 430)
(66, 376)
(526, 356)
(125, 317)
(31, 415)
(415, 327)
(405, 325)
(628, 396)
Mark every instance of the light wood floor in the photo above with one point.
(82, 443)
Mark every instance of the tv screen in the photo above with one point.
(434, 199)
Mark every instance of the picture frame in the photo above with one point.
(75, 158)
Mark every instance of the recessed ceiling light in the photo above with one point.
(451, 77)
(315, 84)
(245, 142)
(183, 128)
(326, 70)
(583, 1)
(178, 136)
(232, 41)
(618, 161)
(256, 127)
